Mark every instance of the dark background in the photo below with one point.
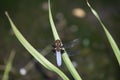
(95, 59)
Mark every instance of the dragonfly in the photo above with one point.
(58, 50)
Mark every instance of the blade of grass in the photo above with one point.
(44, 52)
(55, 34)
(110, 38)
(65, 57)
(40, 58)
(8, 65)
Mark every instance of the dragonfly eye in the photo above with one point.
(57, 41)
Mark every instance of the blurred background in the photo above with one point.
(93, 56)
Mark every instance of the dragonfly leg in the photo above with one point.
(62, 51)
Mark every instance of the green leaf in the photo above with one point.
(110, 38)
(64, 55)
(40, 58)
(8, 65)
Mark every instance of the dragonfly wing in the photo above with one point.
(72, 43)
(58, 58)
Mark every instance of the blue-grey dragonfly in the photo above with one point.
(58, 49)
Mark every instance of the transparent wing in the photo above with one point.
(46, 50)
(72, 43)
(58, 58)
(68, 46)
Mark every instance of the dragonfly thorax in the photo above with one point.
(58, 45)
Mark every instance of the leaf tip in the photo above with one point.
(6, 13)
(88, 3)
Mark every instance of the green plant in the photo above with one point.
(8, 65)
(47, 64)
(41, 59)
(110, 38)
(65, 57)
(38, 56)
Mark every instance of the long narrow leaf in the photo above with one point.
(41, 59)
(8, 66)
(110, 38)
(64, 55)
